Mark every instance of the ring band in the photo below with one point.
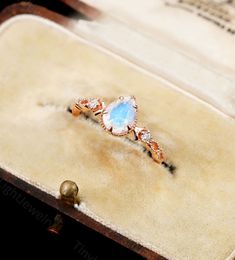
(120, 119)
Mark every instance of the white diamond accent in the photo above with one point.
(93, 103)
(146, 136)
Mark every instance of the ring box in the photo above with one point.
(123, 194)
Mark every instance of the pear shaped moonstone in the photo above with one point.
(119, 117)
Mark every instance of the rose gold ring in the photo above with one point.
(119, 118)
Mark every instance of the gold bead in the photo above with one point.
(69, 192)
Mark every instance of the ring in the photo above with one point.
(119, 118)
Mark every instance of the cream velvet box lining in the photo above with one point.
(172, 42)
(187, 216)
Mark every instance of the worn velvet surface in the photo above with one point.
(190, 215)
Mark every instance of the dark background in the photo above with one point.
(54, 5)
(23, 234)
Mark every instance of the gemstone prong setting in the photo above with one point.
(120, 118)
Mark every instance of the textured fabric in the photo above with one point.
(174, 43)
(187, 216)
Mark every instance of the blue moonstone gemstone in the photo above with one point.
(120, 116)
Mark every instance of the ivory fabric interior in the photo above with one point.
(181, 27)
(190, 215)
(160, 34)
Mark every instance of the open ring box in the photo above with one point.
(188, 104)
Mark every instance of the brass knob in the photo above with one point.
(69, 192)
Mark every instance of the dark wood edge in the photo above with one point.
(85, 9)
(77, 215)
(28, 8)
